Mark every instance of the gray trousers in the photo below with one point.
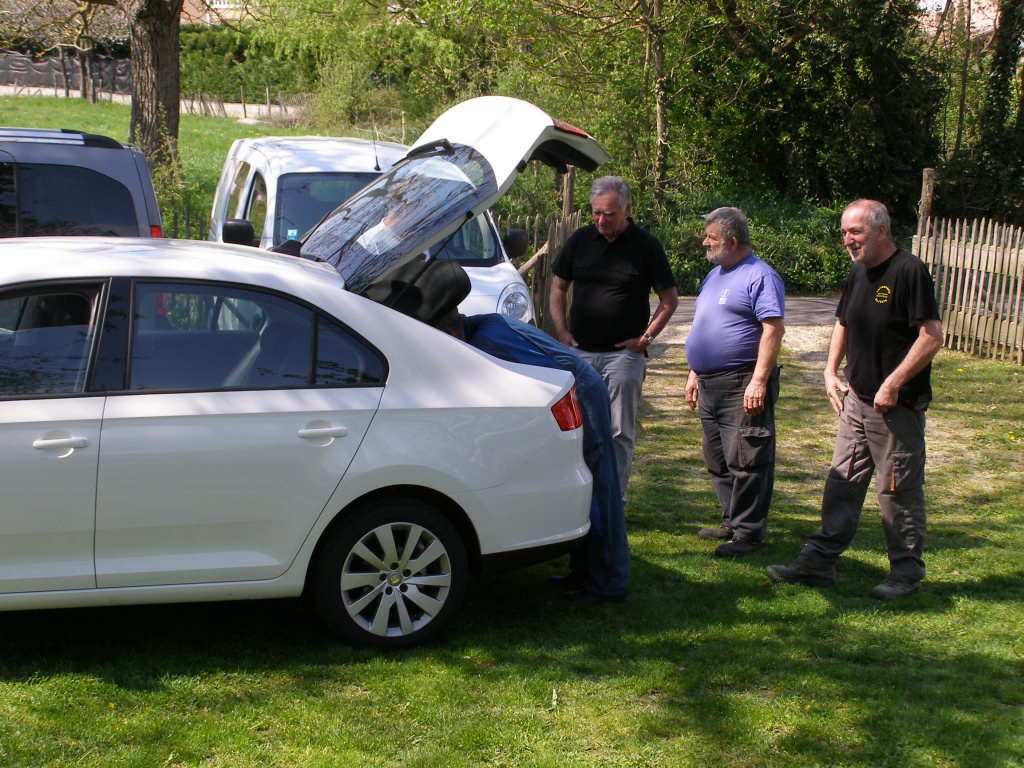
(739, 449)
(892, 443)
(623, 372)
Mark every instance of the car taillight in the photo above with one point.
(567, 412)
(155, 231)
(565, 127)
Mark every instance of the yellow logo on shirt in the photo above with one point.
(882, 294)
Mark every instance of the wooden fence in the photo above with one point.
(979, 284)
(546, 236)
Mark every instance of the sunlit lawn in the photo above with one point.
(706, 664)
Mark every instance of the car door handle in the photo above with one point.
(60, 442)
(319, 432)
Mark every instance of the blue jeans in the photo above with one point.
(603, 557)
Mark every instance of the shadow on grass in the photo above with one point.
(726, 638)
(711, 643)
(134, 646)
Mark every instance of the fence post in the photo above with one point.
(568, 190)
(924, 207)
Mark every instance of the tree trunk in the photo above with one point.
(655, 79)
(660, 107)
(155, 77)
(86, 75)
(1000, 145)
(964, 71)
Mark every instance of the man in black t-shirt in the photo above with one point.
(612, 266)
(888, 329)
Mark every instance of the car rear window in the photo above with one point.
(38, 200)
(212, 336)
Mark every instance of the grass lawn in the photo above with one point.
(706, 663)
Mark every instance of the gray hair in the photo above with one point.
(732, 222)
(607, 184)
(877, 214)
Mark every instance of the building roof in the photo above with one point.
(212, 12)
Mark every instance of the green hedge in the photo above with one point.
(799, 240)
(224, 61)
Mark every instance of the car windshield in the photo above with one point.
(393, 219)
(305, 198)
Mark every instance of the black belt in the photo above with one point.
(745, 368)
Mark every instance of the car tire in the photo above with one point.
(390, 575)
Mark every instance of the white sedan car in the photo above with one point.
(184, 421)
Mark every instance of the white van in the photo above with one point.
(273, 189)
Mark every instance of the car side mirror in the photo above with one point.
(239, 232)
(516, 242)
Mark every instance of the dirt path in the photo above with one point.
(808, 329)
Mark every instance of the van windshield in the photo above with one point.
(305, 198)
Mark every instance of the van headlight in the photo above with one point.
(515, 302)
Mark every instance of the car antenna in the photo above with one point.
(376, 162)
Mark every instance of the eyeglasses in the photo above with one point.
(605, 214)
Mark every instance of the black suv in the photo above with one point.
(60, 182)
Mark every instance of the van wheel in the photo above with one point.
(391, 575)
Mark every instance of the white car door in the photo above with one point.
(49, 438)
(231, 439)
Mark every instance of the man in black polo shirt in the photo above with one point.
(888, 329)
(612, 266)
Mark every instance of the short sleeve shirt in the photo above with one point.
(731, 306)
(611, 284)
(882, 309)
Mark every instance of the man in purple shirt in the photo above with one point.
(732, 350)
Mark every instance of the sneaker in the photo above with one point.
(715, 533)
(893, 590)
(736, 547)
(801, 574)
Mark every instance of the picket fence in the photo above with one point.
(979, 284)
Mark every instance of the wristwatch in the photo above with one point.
(650, 339)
